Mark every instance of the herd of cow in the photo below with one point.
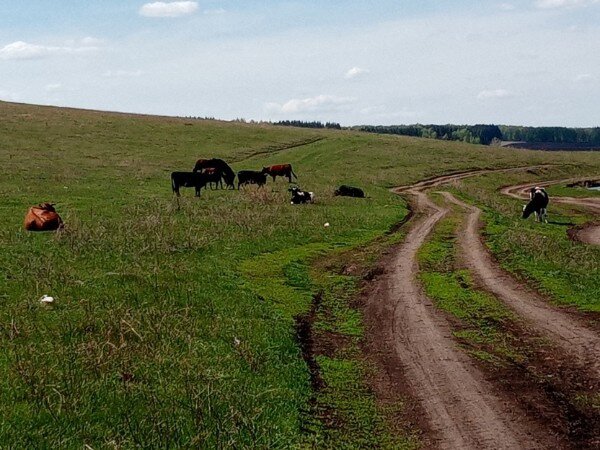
(44, 217)
(213, 172)
(209, 172)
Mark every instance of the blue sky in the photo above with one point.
(526, 62)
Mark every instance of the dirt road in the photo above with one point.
(463, 410)
(562, 329)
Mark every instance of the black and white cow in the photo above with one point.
(299, 196)
(196, 180)
(538, 204)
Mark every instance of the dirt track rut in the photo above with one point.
(559, 327)
(462, 409)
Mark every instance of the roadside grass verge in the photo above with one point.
(313, 286)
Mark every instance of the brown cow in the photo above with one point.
(42, 218)
(281, 170)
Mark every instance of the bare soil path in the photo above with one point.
(562, 329)
(463, 410)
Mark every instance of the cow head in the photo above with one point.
(265, 170)
(47, 206)
(528, 209)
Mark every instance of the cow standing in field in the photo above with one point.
(213, 177)
(538, 204)
(220, 166)
(280, 170)
(196, 180)
(251, 177)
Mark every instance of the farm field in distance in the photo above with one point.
(235, 320)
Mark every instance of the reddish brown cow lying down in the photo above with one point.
(42, 218)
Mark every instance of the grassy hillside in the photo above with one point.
(174, 323)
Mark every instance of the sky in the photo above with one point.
(522, 62)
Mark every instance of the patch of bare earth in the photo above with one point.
(456, 402)
(460, 407)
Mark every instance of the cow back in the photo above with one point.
(279, 168)
(42, 218)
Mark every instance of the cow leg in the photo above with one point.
(197, 191)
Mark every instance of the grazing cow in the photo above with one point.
(349, 191)
(251, 177)
(188, 179)
(538, 204)
(42, 218)
(281, 170)
(222, 167)
(299, 196)
(213, 177)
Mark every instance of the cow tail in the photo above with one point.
(173, 185)
(295, 176)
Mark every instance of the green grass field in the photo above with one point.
(174, 322)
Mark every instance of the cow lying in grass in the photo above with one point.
(251, 177)
(196, 180)
(538, 204)
(349, 191)
(299, 196)
(42, 218)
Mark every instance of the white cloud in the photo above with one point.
(354, 72)
(168, 9)
(507, 7)
(493, 93)
(550, 4)
(24, 50)
(91, 41)
(311, 104)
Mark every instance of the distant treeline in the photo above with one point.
(560, 135)
(486, 134)
(475, 134)
(300, 123)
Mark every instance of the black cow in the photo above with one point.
(251, 177)
(299, 196)
(196, 180)
(538, 204)
(221, 166)
(213, 177)
(349, 191)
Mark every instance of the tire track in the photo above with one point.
(461, 407)
(563, 330)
